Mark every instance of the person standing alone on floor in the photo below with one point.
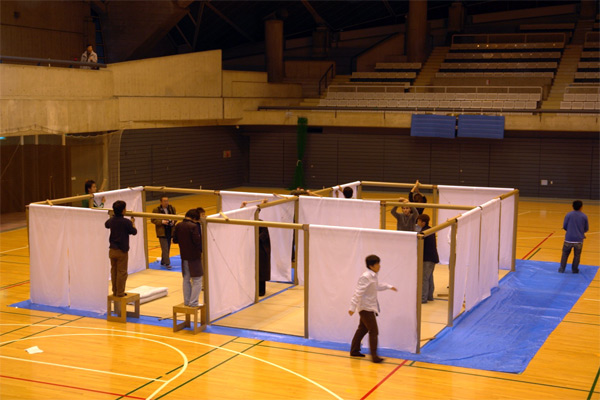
(576, 224)
(365, 300)
(164, 229)
(430, 258)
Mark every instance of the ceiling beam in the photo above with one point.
(318, 19)
(198, 21)
(230, 22)
(387, 5)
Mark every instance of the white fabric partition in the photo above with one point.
(231, 264)
(507, 223)
(48, 268)
(281, 239)
(87, 254)
(337, 259)
(137, 249)
(469, 196)
(488, 257)
(69, 252)
(334, 212)
(336, 192)
(466, 272)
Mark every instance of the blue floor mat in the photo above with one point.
(175, 264)
(506, 330)
(503, 333)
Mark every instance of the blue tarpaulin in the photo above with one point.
(507, 329)
(503, 333)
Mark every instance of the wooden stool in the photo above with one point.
(189, 311)
(120, 310)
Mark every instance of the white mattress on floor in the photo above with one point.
(149, 293)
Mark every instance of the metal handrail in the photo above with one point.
(534, 111)
(50, 61)
(325, 77)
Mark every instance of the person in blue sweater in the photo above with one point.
(576, 225)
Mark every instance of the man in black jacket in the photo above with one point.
(187, 235)
(430, 258)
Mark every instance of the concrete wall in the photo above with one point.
(44, 29)
(182, 90)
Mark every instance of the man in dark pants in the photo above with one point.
(365, 300)
(430, 258)
(118, 252)
(187, 235)
(164, 230)
(576, 224)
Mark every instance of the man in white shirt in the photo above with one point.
(365, 300)
(89, 56)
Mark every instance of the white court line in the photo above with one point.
(592, 299)
(81, 368)
(185, 360)
(8, 251)
(181, 340)
(523, 213)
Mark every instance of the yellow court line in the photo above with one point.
(178, 339)
(185, 360)
(8, 251)
(81, 368)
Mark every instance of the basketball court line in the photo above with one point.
(134, 334)
(185, 360)
(538, 245)
(18, 248)
(80, 368)
(497, 378)
(70, 387)
(383, 380)
(204, 372)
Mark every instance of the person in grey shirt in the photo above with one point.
(407, 219)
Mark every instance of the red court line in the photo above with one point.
(15, 285)
(383, 380)
(71, 387)
(538, 245)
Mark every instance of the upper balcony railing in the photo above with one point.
(48, 62)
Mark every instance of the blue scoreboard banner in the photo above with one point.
(481, 126)
(442, 126)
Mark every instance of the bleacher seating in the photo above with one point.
(588, 69)
(383, 77)
(580, 97)
(398, 67)
(431, 97)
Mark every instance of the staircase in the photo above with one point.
(427, 73)
(564, 76)
(314, 101)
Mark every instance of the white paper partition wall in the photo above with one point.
(507, 223)
(334, 212)
(466, 273)
(336, 192)
(488, 257)
(337, 259)
(87, 254)
(231, 264)
(49, 271)
(281, 239)
(72, 269)
(467, 196)
(137, 250)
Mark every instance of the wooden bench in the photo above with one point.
(199, 314)
(120, 307)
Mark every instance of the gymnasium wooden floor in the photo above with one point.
(94, 359)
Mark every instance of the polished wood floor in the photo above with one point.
(94, 359)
